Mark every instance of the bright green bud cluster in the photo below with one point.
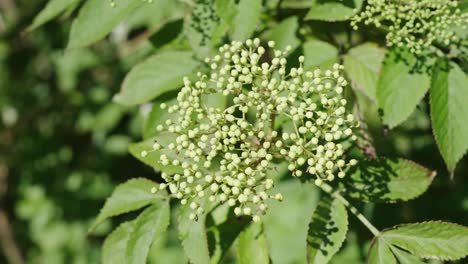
(415, 24)
(272, 114)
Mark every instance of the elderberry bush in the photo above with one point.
(233, 131)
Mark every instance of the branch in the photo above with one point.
(328, 189)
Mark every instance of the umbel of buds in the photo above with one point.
(273, 114)
(415, 24)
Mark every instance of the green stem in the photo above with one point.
(335, 194)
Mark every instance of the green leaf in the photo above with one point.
(404, 257)
(226, 10)
(319, 54)
(158, 116)
(115, 245)
(193, 236)
(222, 235)
(52, 9)
(387, 180)
(129, 196)
(108, 117)
(327, 230)
(156, 14)
(449, 111)
(152, 157)
(70, 64)
(401, 86)
(247, 19)
(284, 34)
(333, 10)
(362, 65)
(96, 19)
(156, 75)
(297, 3)
(432, 240)
(252, 246)
(167, 33)
(290, 219)
(380, 253)
(149, 226)
(201, 26)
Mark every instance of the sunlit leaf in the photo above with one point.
(115, 245)
(149, 226)
(449, 111)
(156, 75)
(247, 19)
(401, 86)
(333, 10)
(252, 246)
(431, 240)
(362, 65)
(129, 196)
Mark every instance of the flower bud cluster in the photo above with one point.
(415, 24)
(273, 114)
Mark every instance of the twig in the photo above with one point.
(9, 246)
(7, 241)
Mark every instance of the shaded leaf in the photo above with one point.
(333, 10)
(327, 230)
(252, 246)
(129, 196)
(433, 240)
(387, 180)
(149, 226)
(156, 75)
(221, 236)
(167, 33)
(401, 86)
(449, 111)
(362, 65)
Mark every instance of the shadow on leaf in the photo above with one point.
(387, 180)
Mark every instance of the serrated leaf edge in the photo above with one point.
(425, 222)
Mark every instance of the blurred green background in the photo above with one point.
(63, 146)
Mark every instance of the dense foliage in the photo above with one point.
(282, 131)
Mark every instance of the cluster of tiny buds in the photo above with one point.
(273, 114)
(414, 24)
